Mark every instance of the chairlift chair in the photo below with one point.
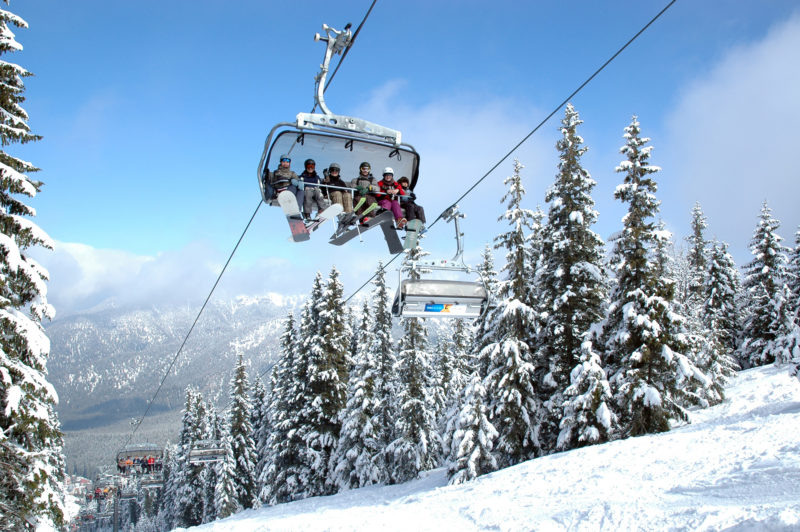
(442, 298)
(205, 452)
(328, 138)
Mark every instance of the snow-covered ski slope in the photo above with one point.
(735, 467)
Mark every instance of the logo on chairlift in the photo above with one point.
(437, 307)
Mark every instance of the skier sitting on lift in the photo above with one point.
(365, 188)
(388, 192)
(284, 179)
(313, 194)
(408, 202)
(342, 197)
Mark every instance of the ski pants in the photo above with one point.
(414, 211)
(343, 198)
(313, 196)
(391, 205)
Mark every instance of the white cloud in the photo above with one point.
(733, 138)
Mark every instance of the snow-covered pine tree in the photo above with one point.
(327, 387)
(226, 501)
(358, 455)
(587, 416)
(277, 481)
(763, 283)
(166, 504)
(31, 458)
(697, 255)
(454, 366)
(242, 444)
(417, 443)
(472, 442)
(644, 348)
(386, 383)
(259, 418)
(210, 477)
(187, 477)
(571, 285)
(720, 319)
(488, 275)
(511, 397)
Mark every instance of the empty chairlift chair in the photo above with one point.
(438, 298)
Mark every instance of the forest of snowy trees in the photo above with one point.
(583, 343)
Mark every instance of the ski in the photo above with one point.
(413, 229)
(288, 203)
(392, 238)
(322, 217)
(352, 217)
(346, 236)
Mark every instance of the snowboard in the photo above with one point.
(288, 203)
(331, 212)
(392, 238)
(413, 229)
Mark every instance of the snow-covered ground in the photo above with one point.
(735, 467)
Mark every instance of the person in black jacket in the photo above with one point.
(342, 197)
(408, 202)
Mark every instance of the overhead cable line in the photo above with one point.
(526, 137)
(180, 349)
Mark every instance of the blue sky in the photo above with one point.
(154, 116)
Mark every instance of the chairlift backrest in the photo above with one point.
(206, 451)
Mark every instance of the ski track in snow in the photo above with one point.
(736, 467)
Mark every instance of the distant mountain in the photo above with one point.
(107, 364)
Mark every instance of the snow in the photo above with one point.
(735, 467)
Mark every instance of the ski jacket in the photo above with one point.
(336, 182)
(282, 174)
(312, 178)
(384, 188)
(367, 182)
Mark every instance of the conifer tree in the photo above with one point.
(587, 415)
(278, 478)
(719, 316)
(166, 504)
(763, 283)
(385, 387)
(571, 284)
(358, 456)
(417, 443)
(473, 440)
(644, 345)
(327, 387)
(210, 476)
(511, 396)
(225, 491)
(242, 443)
(32, 465)
(488, 275)
(793, 278)
(697, 255)
(187, 477)
(259, 418)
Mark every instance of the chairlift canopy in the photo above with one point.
(206, 451)
(349, 150)
(140, 450)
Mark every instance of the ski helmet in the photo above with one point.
(285, 157)
(309, 161)
(366, 165)
(334, 166)
(388, 170)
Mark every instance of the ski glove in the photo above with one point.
(361, 190)
(299, 184)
